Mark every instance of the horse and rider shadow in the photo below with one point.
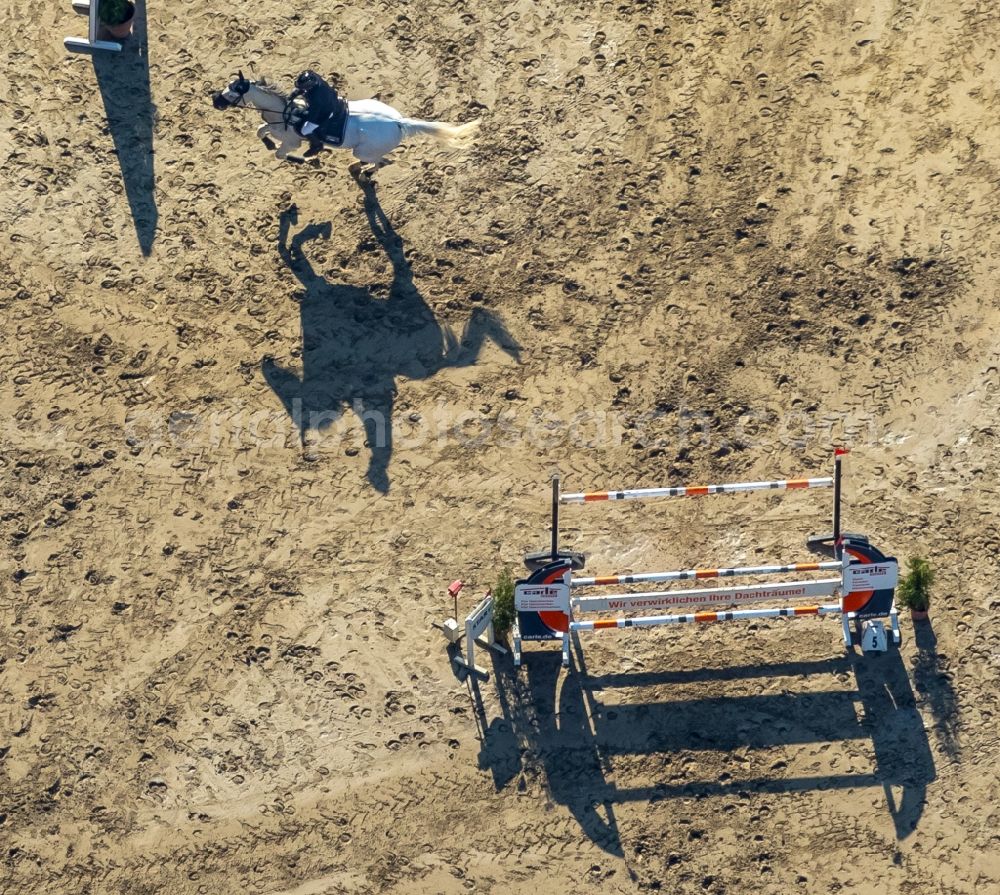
(356, 342)
(559, 726)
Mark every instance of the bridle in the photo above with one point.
(241, 88)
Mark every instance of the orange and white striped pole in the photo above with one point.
(696, 574)
(730, 615)
(697, 490)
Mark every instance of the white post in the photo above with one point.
(470, 645)
(90, 8)
(478, 621)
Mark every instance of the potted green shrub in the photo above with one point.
(503, 603)
(116, 16)
(914, 590)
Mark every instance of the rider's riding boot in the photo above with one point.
(315, 147)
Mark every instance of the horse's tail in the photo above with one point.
(460, 135)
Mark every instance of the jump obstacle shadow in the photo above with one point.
(567, 727)
(357, 340)
(573, 729)
(933, 681)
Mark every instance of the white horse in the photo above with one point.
(373, 128)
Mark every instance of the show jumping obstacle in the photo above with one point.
(547, 610)
(92, 41)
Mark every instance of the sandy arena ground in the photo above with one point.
(694, 242)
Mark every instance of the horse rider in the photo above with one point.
(326, 111)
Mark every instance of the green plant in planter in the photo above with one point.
(503, 603)
(115, 12)
(914, 589)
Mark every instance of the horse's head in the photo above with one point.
(234, 95)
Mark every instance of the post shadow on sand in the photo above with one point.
(500, 753)
(123, 79)
(572, 738)
(356, 340)
(932, 680)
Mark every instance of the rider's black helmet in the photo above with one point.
(308, 80)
